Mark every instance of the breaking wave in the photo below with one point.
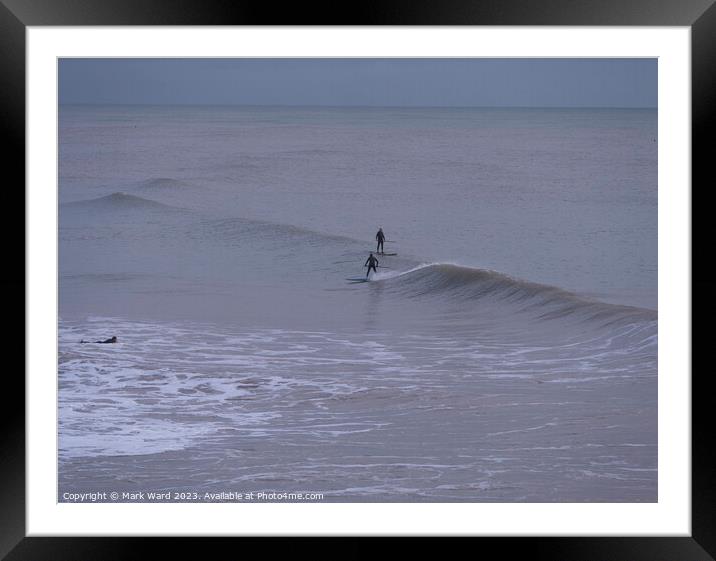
(540, 301)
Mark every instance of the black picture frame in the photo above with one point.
(16, 15)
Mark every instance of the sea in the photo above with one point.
(505, 349)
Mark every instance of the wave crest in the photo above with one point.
(467, 284)
(116, 201)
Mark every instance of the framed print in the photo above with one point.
(423, 273)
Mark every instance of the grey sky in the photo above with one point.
(373, 82)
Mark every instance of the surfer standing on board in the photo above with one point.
(371, 263)
(380, 236)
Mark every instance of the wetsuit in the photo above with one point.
(380, 236)
(371, 264)
(111, 340)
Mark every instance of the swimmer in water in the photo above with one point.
(110, 340)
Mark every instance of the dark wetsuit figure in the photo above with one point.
(110, 340)
(380, 236)
(371, 263)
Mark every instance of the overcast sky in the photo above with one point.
(372, 82)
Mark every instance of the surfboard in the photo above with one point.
(386, 254)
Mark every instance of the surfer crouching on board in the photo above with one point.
(110, 340)
(380, 236)
(371, 263)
